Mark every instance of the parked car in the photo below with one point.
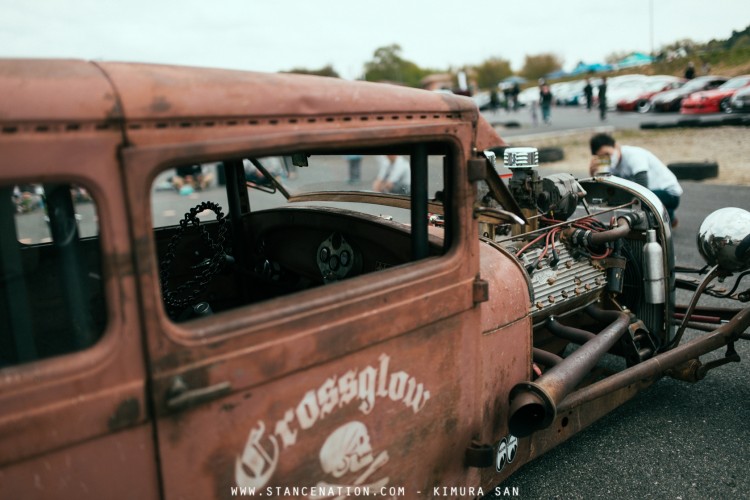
(571, 94)
(528, 96)
(640, 99)
(740, 101)
(314, 335)
(620, 86)
(714, 101)
(482, 100)
(671, 100)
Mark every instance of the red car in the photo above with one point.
(714, 101)
(642, 101)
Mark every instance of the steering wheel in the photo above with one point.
(187, 293)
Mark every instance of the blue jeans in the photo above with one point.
(670, 201)
(545, 112)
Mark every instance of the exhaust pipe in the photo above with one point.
(575, 335)
(533, 405)
(545, 357)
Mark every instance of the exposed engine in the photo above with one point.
(602, 239)
(599, 263)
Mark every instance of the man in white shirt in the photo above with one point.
(394, 175)
(638, 165)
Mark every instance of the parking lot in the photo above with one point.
(675, 440)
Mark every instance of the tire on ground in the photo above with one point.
(689, 122)
(549, 155)
(695, 171)
(711, 123)
(732, 120)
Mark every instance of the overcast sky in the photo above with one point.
(274, 35)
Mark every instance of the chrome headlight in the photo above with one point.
(724, 239)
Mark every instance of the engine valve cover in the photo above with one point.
(570, 281)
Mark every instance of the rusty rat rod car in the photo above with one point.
(203, 296)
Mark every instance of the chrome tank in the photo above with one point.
(724, 239)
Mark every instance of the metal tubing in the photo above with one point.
(699, 318)
(545, 357)
(533, 405)
(567, 223)
(568, 332)
(725, 313)
(713, 273)
(622, 230)
(698, 326)
(657, 365)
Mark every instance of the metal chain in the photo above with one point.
(187, 293)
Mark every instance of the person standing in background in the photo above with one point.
(514, 93)
(494, 100)
(588, 92)
(690, 71)
(507, 95)
(355, 168)
(545, 102)
(603, 99)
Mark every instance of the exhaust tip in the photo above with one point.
(531, 409)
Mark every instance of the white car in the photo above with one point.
(619, 87)
(572, 94)
(529, 95)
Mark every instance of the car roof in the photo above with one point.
(36, 90)
(151, 91)
(59, 90)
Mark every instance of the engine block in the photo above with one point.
(564, 283)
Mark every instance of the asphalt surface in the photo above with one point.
(675, 440)
(565, 119)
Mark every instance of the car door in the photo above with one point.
(74, 419)
(352, 384)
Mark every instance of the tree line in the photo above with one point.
(388, 65)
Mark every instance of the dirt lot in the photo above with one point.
(728, 146)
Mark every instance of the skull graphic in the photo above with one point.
(346, 450)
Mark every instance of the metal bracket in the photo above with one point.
(480, 291)
(693, 370)
(477, 170)
(731, 356)
(480, 455)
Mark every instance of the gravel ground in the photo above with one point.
(728, 146)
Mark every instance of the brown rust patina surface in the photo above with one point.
(403, 374)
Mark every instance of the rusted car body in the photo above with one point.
(345, 342)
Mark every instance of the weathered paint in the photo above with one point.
(383, 380)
